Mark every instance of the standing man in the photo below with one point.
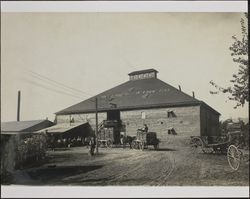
(145, 128)
(122, 139)
(92, 146)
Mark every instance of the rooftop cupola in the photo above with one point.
(143, 74)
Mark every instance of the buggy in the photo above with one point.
(214, 144)
(229, 146)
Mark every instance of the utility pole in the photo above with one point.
(96, 123)
(18, 105)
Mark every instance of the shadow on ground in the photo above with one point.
(53, 172)
(165, 149)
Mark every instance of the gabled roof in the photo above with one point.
(138, 94)
(23, 126)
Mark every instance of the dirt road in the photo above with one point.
(117, 166)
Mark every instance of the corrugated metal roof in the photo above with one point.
(144, 93)
(19, 126)
(61, 127)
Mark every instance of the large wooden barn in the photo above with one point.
(146, 99)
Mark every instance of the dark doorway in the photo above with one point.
(113, 115)
(114, 121)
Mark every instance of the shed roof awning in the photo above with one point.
(61, 128)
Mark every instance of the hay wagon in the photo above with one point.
(144, 139)
(106, 137)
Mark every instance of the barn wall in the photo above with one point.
(186, 121)
(83, 117)
(209, 122)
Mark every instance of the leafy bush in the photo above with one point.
(30, 149)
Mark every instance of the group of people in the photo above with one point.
(30, 149)
(89, 141)
(67, 142)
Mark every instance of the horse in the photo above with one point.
(128, 140)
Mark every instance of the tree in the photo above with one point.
(238, 92)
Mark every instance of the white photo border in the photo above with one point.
(15, 191)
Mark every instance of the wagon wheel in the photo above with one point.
(197, 144)
(134, 144)
(233, 157)
(109, 144)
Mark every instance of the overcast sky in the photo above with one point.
(93, 52)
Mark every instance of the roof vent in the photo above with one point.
(143, 74)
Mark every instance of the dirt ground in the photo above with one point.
(171, 166)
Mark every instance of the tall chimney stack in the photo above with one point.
(179, 87)
(193, 95)
(18, 105)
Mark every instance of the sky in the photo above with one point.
(93, 52)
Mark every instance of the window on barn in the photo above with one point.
(171, 114)
(71, 120)
(171, 131)
(143, 115)
(141, 76)
(151, 74)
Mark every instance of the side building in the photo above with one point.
(23, 128)
(145, 99)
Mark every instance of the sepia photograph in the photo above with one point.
(124, 99)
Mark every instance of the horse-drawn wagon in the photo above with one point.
(106, 137)
(216, 144)
(144, 139)
(229, 145)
